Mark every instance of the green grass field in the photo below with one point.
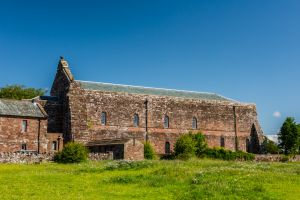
(194, 179)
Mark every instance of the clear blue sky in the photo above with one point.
(246, 50)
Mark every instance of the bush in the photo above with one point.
(220, 153)
(190, 145)
(127, 164)
(185, 147)
(285, 158)
(148, 151)
(72, 153)
(268, 146)
(200, 144)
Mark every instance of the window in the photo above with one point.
(222, 141)
(166, 122)
(24, 147)
(24, 126)
(167, 148)
(136, 120)
(194, 123)
(54, 145)
(103, 118)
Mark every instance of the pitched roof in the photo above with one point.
(20, 108)
(109, 87)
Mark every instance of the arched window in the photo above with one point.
(167, 148)
(166, 122)
(103, 118)
(222, 141)
(136, 120)
(194, 123)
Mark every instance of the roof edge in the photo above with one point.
(155, 88)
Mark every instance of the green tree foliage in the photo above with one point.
(200, 144)
(185, 147)
(189, 145)
(268, 146)
(289, 136)
(148, 151)
(72, 153)
(20, 92)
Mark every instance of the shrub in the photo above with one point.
(220, 153)
(72, 153)
(127, 165)
(185, 147)
(268, 146)
(168, 156)
(148, 151)
(285, 158)
(190, 145)
(200, 144)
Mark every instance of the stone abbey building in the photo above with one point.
(119, 118)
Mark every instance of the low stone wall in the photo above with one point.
(28, 158)
(101, 156)
(275, 158)
(33, 158)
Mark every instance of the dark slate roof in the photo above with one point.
(151, 91)
(20, 108)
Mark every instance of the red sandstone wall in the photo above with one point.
(11, 136)
(51, 137)
(215, 119)
(133, 150)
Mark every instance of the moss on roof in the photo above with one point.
(20, 108)
(151, 91)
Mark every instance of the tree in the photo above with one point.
(268, 146)
(289, 136)
(19, 92)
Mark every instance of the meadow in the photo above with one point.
(193, 179)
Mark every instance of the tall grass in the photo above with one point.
(193, 179)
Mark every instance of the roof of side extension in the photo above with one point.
(109, 87)
(20, 108)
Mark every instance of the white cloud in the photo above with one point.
(274, 138)
(277, 114)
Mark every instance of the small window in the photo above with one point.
(103, 118)
(54, 145)
(222, 141)
(167, 148)
(136, 120)
(194, 123)
(166, 122)
(24, 126)
(24, 147)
